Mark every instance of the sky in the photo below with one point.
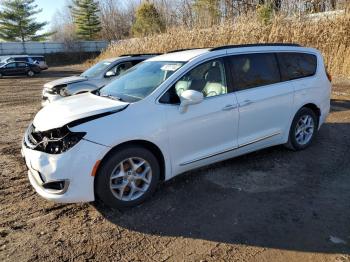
(49, 8)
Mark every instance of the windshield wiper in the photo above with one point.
(112, 97)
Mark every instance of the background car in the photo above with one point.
(19, 68)
(37, 59)
(94, 78)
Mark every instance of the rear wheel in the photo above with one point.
(0, 75)
(303, 129)
(30, 73)
(128, 177)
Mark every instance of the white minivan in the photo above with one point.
(173, 113)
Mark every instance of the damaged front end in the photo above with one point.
(54, 141)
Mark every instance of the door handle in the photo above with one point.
(229, 107)
(246, 103)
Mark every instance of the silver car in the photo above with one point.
(94, 78)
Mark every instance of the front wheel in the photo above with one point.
(30, 73)
(303, 129)
(127, 177)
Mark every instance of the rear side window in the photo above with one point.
(21, 65)
(253, 70)
(38, 58)
(20, 59)
(296, 65)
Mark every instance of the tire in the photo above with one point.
(303, 129)
(117, 192)
(0, 75)
(30, 73)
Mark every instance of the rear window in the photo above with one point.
(38, 58)
(296, 65)
(253, 70)
(24, 59)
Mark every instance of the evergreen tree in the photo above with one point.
(17, 22)
(86, 19)
(148, 21)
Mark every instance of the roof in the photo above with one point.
(186, 55)
(182, 56)
(129, 57)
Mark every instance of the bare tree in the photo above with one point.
(116, 19)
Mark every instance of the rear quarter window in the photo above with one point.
(296, 65)
(40, 59)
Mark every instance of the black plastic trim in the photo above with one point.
(135, 55)
(253, 45)
(90, 118)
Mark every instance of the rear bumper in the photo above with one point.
(325, 109)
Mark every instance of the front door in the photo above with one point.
(10, 69)
(204, 130)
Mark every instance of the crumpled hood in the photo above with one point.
(65, 80)
(66, 110)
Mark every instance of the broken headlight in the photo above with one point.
(54, 141)
(64, 92)
(55, 90)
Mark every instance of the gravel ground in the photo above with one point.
(271, 205)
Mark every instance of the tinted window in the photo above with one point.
(21, 65)
(208, 78)
(296, 65)
(38, 58)
(253, 70)
(25, 59)
(121, 68)
(11, 65)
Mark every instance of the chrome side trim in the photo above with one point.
(230, 149)
(259, 139)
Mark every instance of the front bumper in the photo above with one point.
(71, 169)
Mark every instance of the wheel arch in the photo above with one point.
(314, 108)
(309, 105)
(144, 143)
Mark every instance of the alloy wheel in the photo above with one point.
(304, 129)
(130, 179)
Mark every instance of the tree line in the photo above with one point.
(119, 19)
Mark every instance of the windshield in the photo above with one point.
(139, 81)
(96, 70)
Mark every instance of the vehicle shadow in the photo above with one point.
(272, 198)
(340, 105)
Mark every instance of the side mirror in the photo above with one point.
(110, 74)
(189, 97)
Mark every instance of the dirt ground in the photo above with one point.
(271, 205)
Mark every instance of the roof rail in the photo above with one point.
(140, 54)
(252, 45)
(184, 49)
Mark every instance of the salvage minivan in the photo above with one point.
(173, 113)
